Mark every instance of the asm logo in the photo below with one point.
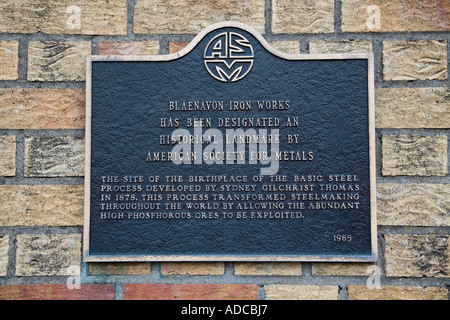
(228, 57)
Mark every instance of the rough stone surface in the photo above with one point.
(353, 46)
(4, 258)
(140, 291)
(300, 292)
(102, 17)
(48, 254)
(129, 47)
(268, 268)
(415, 60)
(177, 46)
(54, 156)
(302, 16)
(9, 60)
(57, 60)
(395, 15)
(417, 255)
(397, 293)
(342, 269)
(414, 155)
(192, 268)
(286, 46)
(413, 204)
(57, 292)
(119, 268)
(50, 205)
(412, 108)
(191, 16)
(42, 109)
(7, 156)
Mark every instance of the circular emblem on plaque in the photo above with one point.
(228, 57)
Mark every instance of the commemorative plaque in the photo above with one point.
(230, 150)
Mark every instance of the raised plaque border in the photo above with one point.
(231, 258)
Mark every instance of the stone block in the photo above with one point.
(412, 108)
(415, 60)
(302, 16)
(394, 15)
(301, 292)
(9, 60)
(417, 255)
(397, 293)
(344, 46)
(405, 155)
(192, 268)
(129, 48)
(4, 257)
(48, 205)
(54, 156)
(99, 268)
(268, 268)
(7, 156)
(42, 109)
(191, 16)
(413, 204)
(57, 60)
(101, 17)
(47, 254)
(342, 269)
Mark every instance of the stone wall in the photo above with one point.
(43, 45)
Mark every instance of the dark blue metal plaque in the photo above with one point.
(230, 150)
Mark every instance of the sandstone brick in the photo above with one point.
(54, 156)
(286, 46)
(414, 155)
(343, 46)
(48, 205)
(56, 292)
(47, 254)
(415, 60)
(342, 269)
(413, 204)
(397, 293)
(177, 46)
(138, 291)
(268, 268)
(103, 17)
(129, 47)
(42, 109)
(395, 15)
(300, 292)
(7, 156)
(192, 268)
(412, 108)
(417, 255)
(9, 60)
(57, 60)
(191, 16)
(4, 258)
(119, 268)
(302, 16)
